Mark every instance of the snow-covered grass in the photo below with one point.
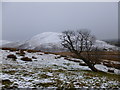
(54, 71)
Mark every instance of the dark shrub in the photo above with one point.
(34, 57)
(117, 66)
(32, 51)
(109, 70)
(26, 59)
(67, 58)
(21, 53)
(11, 49)
(4, 48)
(58, 57)
(40, 54)
(12, 56)
(113, 65)
(107, 63)
(47, 53)
(7, 83)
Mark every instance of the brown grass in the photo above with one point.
(32, 51)
(26, 59)
(11, 49)
(11, 56)
(15, 49)
(21, 52)
(106, 55)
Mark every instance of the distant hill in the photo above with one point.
(115, 42)
(3, 42)
(50, 41)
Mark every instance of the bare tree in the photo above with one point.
(81, 44)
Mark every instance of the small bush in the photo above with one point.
(47, 53)
(14, 86)
(12, 56)
(109, 70)
(109, 64)
(44, 76)
(32, 51)
(58, 57)
(67, 58)
(11, 49)
(4, 48)
(40, 54)
(21, 53)
(117, 66)
(26, 59)
(34, 57)
(9, 72)
(48, 84)
(7, 83)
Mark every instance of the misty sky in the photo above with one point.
(22, 20)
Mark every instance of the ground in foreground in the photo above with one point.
(54, 71)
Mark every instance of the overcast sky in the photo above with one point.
(22, 20)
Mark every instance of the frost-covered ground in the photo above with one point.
(54, 71)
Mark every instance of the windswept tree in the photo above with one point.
(81, 44)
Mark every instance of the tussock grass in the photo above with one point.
(12, 72)
(109, 76)
(7, 83)
(11, 49)
(12, 56)
(26, 59)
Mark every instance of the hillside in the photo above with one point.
(3, 42)
(115, 42)
(40, 70)
(50, 41)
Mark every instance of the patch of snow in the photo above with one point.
(42, 81)
(101, 67)
(49, 74)
(103, 44)
(116, 71)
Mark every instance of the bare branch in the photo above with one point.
(79, 42)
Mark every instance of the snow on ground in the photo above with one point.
(49, 70)
(102, 44)
(101, 67)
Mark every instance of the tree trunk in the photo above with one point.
(90, 65)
